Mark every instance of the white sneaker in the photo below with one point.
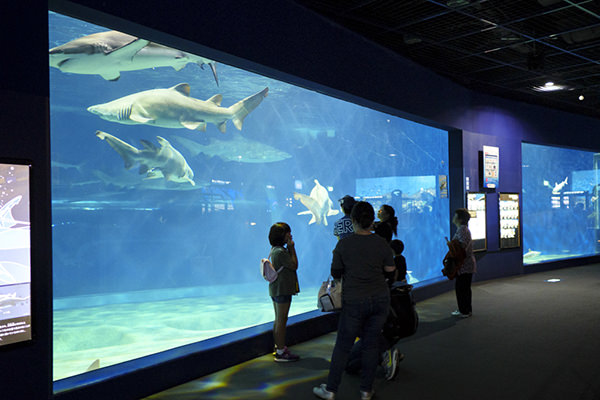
(391, 363)
(457, 313)
(322, 392)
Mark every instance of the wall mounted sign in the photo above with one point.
(491, 166)
(443, 185)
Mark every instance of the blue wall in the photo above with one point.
(277, 38)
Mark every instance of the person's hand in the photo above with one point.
(290, 241)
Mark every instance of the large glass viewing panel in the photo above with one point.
(161, 203)
(560, 203)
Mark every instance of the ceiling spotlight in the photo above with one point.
(581, 98)
(550, 87)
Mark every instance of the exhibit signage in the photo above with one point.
(491, 166)
(15, 254)
(510, 233)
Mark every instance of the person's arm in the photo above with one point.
(291, 247)
(337, 267)
(462, 236)
(389, 269)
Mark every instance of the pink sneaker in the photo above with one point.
(286, 356)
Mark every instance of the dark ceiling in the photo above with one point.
(504, 47)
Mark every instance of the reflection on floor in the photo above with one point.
(98, 336)
(531, 337)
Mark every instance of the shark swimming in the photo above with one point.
(126, 180)
(108, 53)
(238, 149)
(318, 203)
(174, 108)
(164, 159)
(531, 254)
(557, 186)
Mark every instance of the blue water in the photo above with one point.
(116, 234)
(560, 203)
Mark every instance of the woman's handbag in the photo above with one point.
(330, 295)
(454, 259)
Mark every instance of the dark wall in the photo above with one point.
(26, 368)
(275, 38)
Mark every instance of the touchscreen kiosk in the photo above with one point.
(15, 254)
(476, 204)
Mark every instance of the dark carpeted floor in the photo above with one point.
(527, 339)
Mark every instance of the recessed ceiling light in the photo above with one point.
(550, 87)
(554, 280)
(581, 98)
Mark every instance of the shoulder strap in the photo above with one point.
(282, 267)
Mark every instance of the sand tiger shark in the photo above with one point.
(164, 159)
(238, 149)
(126, 180)
(174, 108)
(318, 203)
(108, 53)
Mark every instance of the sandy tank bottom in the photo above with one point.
(93, 337)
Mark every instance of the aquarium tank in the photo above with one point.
(169, 168)
(560, 203)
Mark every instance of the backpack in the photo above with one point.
(403, 319)
(268, 271)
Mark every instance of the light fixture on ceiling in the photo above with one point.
(581, 98)
(550, 87)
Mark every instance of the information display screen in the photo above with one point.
(510, 232)
(476, 204)
(15, 254)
